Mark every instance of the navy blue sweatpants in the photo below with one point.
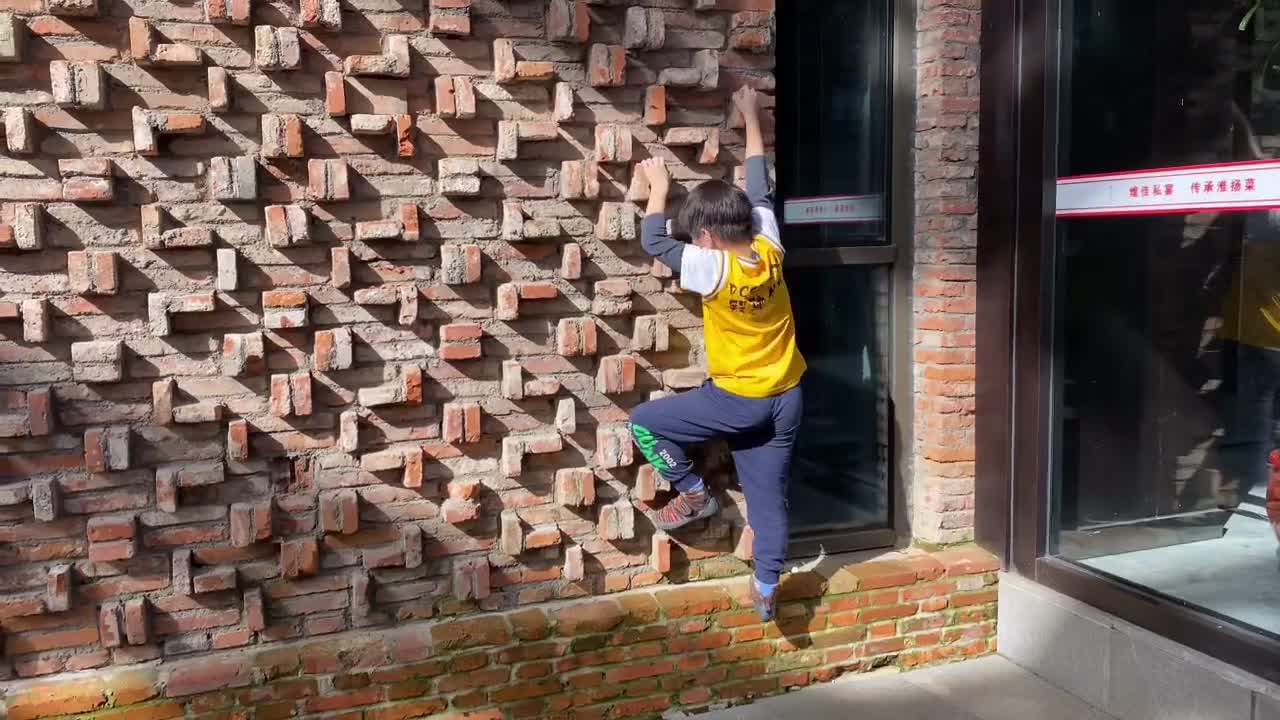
(761, 433)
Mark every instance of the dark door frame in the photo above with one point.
(1018, 172)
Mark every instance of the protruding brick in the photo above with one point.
(471, 578)
(392, 62)
(77, 85)
(652, 333)
(646, 487)
(254, 611)
(299, 557)
(233, 179)
(562, 104)
(180, 574)
(612, 297)
(59, 588)
(515, 448)
(35, 320)
(579, 180)
(504, 60)
(137, 621)
(72, 8)
(327, 180)
(243, 354)
(110, 625)
(617, 374)
(19, 132)
(12, 38)
(607, 66)
(613, 447)
(250, 523)
(613, 143)
(86, 180)
(46, 499)
(340, 512)
(460, 341)
(511, 541)
(568, 21)
(566, 416)
(221, 12)
(617, 521)
(335, 94)
(281, 136)
(574, 564)
(323, 14)
(455, 22)
(571, 262)
(349, 431)
(460, 264)
(333, 349)
(660, 554)
(238, 440)
(575, 487)
(40, 411)
(228, 278)
(508, 140)
(212, 580)
(285, 309)
(708, 138)
(148, 125)
(98, 361)
(162, 395)
(106, 449)
(93, 272)
(512, 380)
(276, 48)
(655, 105)
(25, 230)
(461, 423)
(200, 412)
(576, 337)
(646, 29)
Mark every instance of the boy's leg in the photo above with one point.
(763, 461)
(663, 428)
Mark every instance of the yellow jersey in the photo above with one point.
(1251, 315)
(747, 321)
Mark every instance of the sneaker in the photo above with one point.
(765, 605)
(685, 509)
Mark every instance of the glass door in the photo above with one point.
(833, 159)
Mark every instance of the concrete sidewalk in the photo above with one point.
(990, 688)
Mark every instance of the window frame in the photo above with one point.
(894, 255)
(1019, 115)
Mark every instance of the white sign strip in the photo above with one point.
(1234, 187)
(833, 209)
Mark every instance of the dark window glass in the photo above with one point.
(833, 106)
(1167, 327)
(839, 477)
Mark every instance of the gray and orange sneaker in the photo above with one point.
(684, 509)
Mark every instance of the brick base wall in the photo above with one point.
(637, 654)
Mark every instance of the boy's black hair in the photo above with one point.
(718, 207)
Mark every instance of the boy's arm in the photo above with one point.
(701, 270)
(653, 231)
(759, 190)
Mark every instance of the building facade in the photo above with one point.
(320, 324)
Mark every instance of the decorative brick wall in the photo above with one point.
(635, 655)
(318, 316)
(946, 166)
